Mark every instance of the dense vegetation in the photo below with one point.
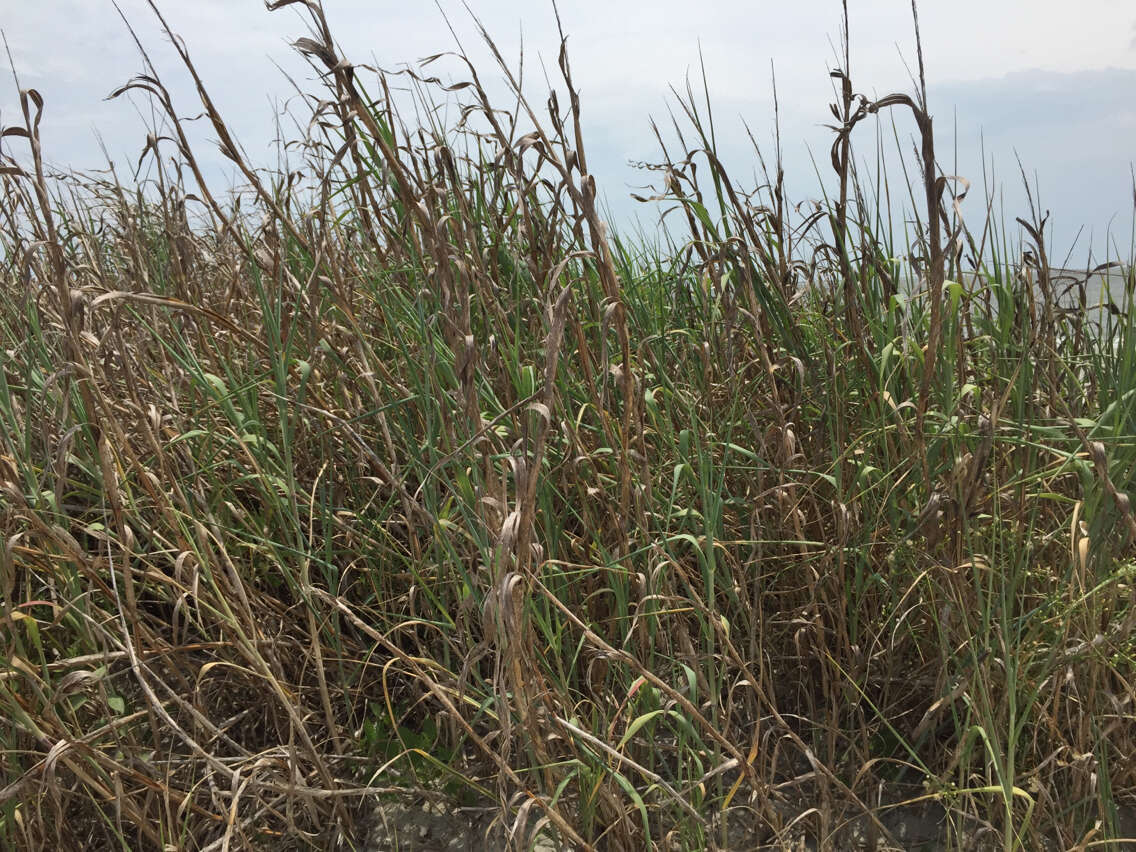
(407, 477)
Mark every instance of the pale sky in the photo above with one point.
(1040, 81)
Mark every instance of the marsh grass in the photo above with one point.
(408, 478)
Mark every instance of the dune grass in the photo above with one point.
(408, 478)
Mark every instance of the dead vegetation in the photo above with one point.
(407, 479)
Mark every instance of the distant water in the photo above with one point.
(1100, 287)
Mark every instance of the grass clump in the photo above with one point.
(405, 477)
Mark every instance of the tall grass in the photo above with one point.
(408, 477)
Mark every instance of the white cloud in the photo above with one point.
(625, 53)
